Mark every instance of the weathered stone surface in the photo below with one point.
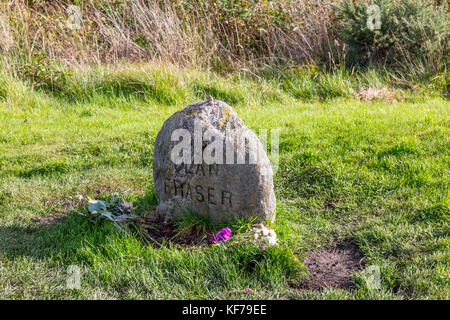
(202, 178)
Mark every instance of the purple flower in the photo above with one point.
(221, 236)
(126, 207)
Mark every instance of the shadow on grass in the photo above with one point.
(113, 262)
(59, 237)
(62, 235)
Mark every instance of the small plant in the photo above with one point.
(151, 198)
(192, 223)
(45, 73)
(241, 225)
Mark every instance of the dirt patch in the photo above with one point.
(157, 231)
(331, 267)
(166, 232)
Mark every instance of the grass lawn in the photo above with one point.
(374, 173)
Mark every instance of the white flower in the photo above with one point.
(272, 239)
(265, 234)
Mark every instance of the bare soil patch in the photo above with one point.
(332, 267)
(157, 231)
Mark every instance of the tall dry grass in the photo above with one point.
(207, 33)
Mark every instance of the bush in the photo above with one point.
(412, 36)
(45, 73)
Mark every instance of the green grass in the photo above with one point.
(372, 172)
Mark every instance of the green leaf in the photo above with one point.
(90, 194)
(97, 206)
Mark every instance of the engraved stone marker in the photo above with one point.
(206, 159)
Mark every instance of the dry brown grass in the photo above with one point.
(380, 94)
(170, 31)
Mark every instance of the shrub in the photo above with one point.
(45, 73)
(412, 37)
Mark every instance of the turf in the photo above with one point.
(374, 173)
